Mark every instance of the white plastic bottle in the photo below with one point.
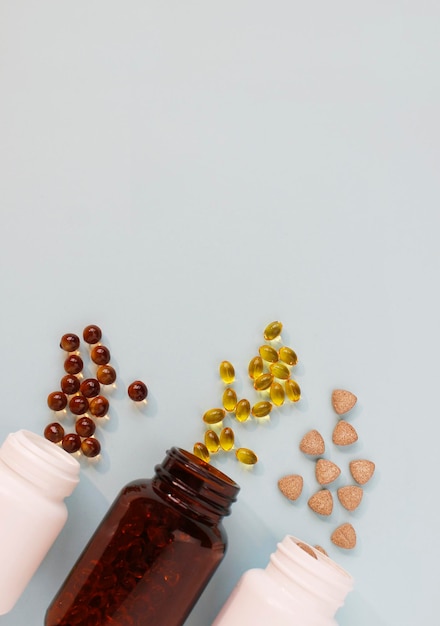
(35, 477)
(300, 587)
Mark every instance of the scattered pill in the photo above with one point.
(242, 410)
(71, 442)
(321, 502)
(268, 354)
(201, 451)
(255, 367)
(279, 370)
(277, 394)
(227, 372)
(54, 432)
(99, 406)
(344, 536)
(90, 447)
(57, 401)
(137, 391)
(343, 401)
(69, 342)
(272, 330)
(92, 334)
(212, 441)
(70, 384)
(227, 438)
(362, 470)
(85, 426)
(73, 364)
(291, 486)
(214, 416)
(100, 354)
(246, 456)
(326, 471)
(344, 434)
(90, 387)
(312, 443)
(293, 392)
(229, 399)
(78, 405)
(263, 381)
(287, 355)
(106, 374)
(261, 409)
(350, 496)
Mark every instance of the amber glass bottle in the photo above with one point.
(154, 552)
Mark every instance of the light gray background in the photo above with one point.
(182, 173)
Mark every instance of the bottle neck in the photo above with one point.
(196, 487)
(317, 584)
(41, 463)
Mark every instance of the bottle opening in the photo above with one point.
(41, 462)
(197, 486)
(213, 471)
(299, 564)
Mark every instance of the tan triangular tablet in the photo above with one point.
(307, 548)
(321, 549)
(291, 486)
(344, 537)
(321, 502)
(362, 470)
(350, 497)
(312, 443)
(326, 471)
(344, 434)
(343, 401)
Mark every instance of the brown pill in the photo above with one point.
(137, 391)
(57, 401)
(92, 334)
(106, 374)
(73, 364)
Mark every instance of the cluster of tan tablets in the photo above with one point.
(270, 373)
(84, 397)
(327, 472)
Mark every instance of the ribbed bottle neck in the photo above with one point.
(318, 584)
(41, 463)
(196, 487)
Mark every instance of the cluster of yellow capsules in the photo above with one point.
(270, 372)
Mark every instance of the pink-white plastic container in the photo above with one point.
(35, 477)
(295, 589)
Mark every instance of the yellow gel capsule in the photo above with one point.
(277, 394)
(293, 392)
(201, 451)
(279, 370)
(227, 372)
(287, 355)
(272, 330)
(246, 456)
(261, 409)
(212, 441)
(227, 438)
(229, 399)
(263, 382)
(214, 416)
(268, 353)
(255, 367)
(242, 410)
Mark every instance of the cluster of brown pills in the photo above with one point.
(270, 373)
(327, 472)
(84, 398)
